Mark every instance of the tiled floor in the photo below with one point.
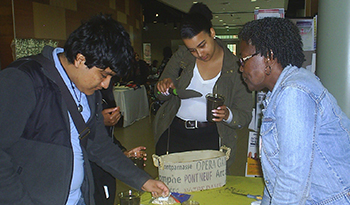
(140, 133)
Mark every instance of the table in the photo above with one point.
(133, 103)
(225, 194)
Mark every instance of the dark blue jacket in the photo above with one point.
(36, 156)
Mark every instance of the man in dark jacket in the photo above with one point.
(142, 70)
(105, 183)
(42, 158)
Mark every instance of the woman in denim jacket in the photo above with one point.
(305, 136)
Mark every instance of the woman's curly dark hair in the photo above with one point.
(104, 43)
(278, 35)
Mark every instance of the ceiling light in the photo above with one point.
(253, 0)
(145, 27)
(221, 20)
(156, 15)
(257, 7)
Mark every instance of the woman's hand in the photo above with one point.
(220, 113)
(164, 85)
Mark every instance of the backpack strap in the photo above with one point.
(78, 120)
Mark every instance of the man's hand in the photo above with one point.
(138, 152)
(111, 116)
(156, 187)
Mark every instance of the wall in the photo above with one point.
(6, 32)
(160, 36)
(56, 19)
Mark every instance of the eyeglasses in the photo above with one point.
(243, 60)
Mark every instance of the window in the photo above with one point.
(228, 39)
(227, 36)
(232, 47)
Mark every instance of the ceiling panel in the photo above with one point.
(229, 14)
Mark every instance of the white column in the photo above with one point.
(333, 49)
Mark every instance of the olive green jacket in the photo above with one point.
(229, 84)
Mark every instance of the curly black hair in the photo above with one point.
(278, 35)
(104, 43)
(197, 20)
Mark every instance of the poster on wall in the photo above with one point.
(262, 13)
(253, 165)
(307, 33)
(147, 53)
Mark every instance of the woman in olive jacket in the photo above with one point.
(229, 84)
(205, 65)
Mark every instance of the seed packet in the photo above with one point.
(180, 197)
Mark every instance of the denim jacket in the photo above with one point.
(305, 138)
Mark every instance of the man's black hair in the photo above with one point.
(104, 43)
(278, 35)
(197, 20)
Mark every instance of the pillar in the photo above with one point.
(333, 49)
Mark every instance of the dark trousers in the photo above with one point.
(101, 179)
(182, 139)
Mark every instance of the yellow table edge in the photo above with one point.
(226, 194)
